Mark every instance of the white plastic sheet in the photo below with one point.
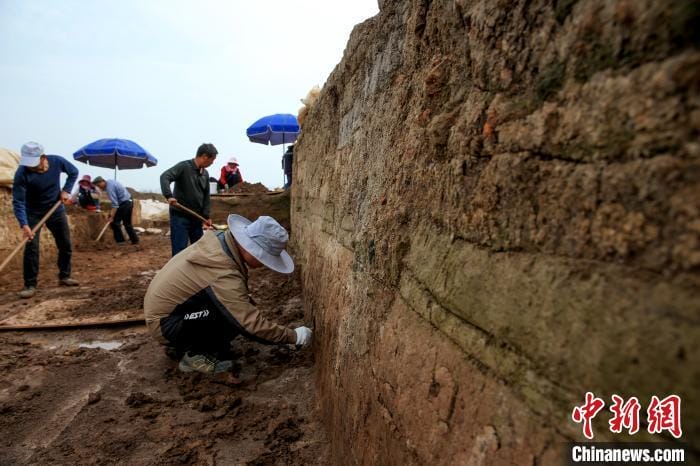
(154, 210)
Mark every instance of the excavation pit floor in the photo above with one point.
(112, 395)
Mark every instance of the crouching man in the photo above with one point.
(199, 301)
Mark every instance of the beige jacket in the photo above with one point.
(206, 264)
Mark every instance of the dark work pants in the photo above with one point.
(58, 226)
(123, 214)
(200, 325)
(182, 230)
(86, 199)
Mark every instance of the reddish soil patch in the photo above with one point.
(61, 403)
(112, 279)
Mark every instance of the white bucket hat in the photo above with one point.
(233, 160)
(264, 239)
(31, 154)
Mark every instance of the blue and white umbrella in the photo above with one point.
(280, 128)
(115, 153)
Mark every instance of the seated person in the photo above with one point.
(87, 195)
(230, 175)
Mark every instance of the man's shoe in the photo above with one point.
(27, 292)
(204, 363)
(68, 282)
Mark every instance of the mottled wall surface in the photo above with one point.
(496, 209)
(251, 207)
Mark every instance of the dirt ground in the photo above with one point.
(111, 395)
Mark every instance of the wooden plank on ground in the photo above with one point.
(73, 325)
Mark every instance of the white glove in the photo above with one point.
(303, 335)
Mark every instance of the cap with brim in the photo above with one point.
(31, 154)
(265, 240)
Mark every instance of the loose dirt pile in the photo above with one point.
(112, 395)
(249, 188)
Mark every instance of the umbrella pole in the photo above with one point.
(115, 165)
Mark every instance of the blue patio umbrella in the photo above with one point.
(115, 153)
(280, 128)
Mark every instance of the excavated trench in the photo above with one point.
(495, 209)
(105, 395)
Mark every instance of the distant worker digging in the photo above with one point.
(191, 191)
(198, 302)
(122, 209)
(35, 192)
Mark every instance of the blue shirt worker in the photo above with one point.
(36, 189)
(122, 209)
(192, 191)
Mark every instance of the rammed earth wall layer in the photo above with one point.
(496, 208)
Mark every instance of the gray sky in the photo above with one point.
(168, 74)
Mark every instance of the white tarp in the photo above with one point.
(154, 210)
(9, 161)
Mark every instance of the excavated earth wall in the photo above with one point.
(496, 209)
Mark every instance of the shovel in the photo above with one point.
(102, 232)
(34, 230)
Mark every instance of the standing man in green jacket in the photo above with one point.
(192, 191)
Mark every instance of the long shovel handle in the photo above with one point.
(34, 230)
(102, 232)
(191, 212)
(194, 214)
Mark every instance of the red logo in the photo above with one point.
(586, 412)
(662, 415)
(624, 415)
(665, 415)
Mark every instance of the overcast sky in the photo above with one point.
(168, 74)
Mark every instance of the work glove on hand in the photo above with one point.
(303, 336)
